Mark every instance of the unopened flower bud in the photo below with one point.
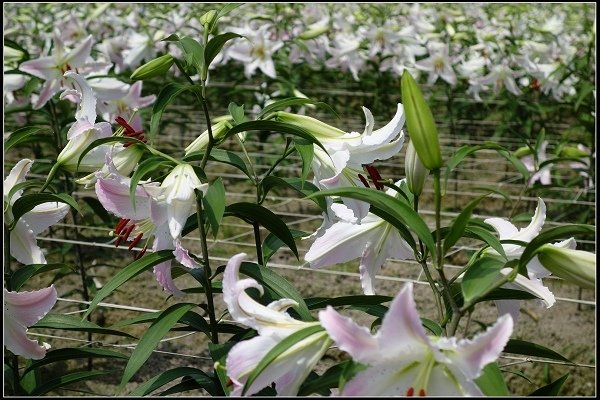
(157, 67)
(218, 130)
(416, 173)
(570, 151)
(522, 152)
(421, 125)
(575, 266)
(317, 128)
(208, 18)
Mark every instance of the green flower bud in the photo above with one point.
(313, 31)
(158, 66)
(208, 18)
(218, 130)
(420, 123)
(522, 152)
(416, 173)
(575, 266)
(317, 128)
(570, 151)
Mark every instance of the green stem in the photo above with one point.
(259, 254)
(249, 159)
(430, 280)
(207, 272)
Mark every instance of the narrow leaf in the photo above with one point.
(214, 46)
(272, 243)
(491, 382)
(64, 380)
(151, 338)
(214, 205)
(22, 274)
(292, 101)
(166, 96)
(460, 223)
(552, 389)
(128, 273)
(274, 126)
(526, 348)
(165, 377)
(22, 135)
(70, 323)
(480, 277)
(305, 189)
(73, 353)
(221, 155)
(307, 152)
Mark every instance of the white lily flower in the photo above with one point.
(542, 175)
(374, 240)
(255, 52)
(273, 324)
(23, 244)
(21, 310)
(403, 361)
(143, 218)
(535, 270)
(438, 64)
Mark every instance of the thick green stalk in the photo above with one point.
(207, 272)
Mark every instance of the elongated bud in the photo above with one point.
(317, 128)
(421, 126)
(313, 31)
(522, 152)
(570, 151)
(208, 17)
(416, 173)
(575, 266)
(218, 130)
(157, 67)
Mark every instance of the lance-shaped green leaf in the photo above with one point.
(214, 46)
(278, 350)
(480, 233)
(129, 272)
(64, 380)
(526, 348)
(237, 112)
(551, 235)
(166, 96)
(25, 135)
(214, 205)
(460, 223)
(148, 342)
(167, 377)
(223, 156)
(251, 212)
(421, 125)
(296, 184)
(157, 67)
(272, 243)
(292, 101)
(354, 300)
(21, 275)
(27, 202)
(307, 152)
(491, 382)
(70, 323)
(274, 126)
(212, 22)
(481, 277)
(71, 354)
(393, 210)
(551, 389)
(194, 54)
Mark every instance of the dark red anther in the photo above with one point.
(364, 180)
(121, 224)
(422, 392)
(535, 85)
(135, 241)
(128, 129)
(375, 177)
(119, 240)
(410, 392)
(141, 253)
(128, 231)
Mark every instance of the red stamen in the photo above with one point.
(410, 391)
(128, 231)
(229, 382)
(374, 174)
(121, 225)
(422, 392)
(141, 253)
(135, 241)
(119, 240)
(128, 129)
(364, 180)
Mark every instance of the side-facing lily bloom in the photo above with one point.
(51, 68)
(535, 270)
(438, 64)
(273, 324)
(374, 240)
(125, 106)
(403, 361)
(23, 245)
(542, 175)
(21, 310)
(144, 217)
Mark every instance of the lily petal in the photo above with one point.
(43, 67)
(76, 57)
(23, 245)
(42, 216)
(114, 196)
(87, 105)
(17, 175)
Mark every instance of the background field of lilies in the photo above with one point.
(296, 199)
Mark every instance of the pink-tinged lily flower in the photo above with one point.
(542, 175)
(23, 244)
(273, 324)
(374, 240)
(438, 64)
(144, 218)
(255, 52)
(84, 131)
(126, 105)
(501, 76)
(403, 361)
(535, 270)
(21, 310)
(51, 68)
